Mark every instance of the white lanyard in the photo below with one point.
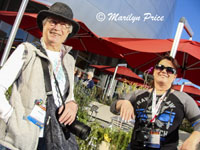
(155, 107)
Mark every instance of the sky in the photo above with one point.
(190, 9)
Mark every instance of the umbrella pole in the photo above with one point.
(113, 78)
(106, 87)
(182, 23)
(14, 31)
(182, 86)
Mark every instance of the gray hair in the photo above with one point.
(91, 74)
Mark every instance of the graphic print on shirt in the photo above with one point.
(58, 70)
(165, 118)
(60, 77)
(56, 60)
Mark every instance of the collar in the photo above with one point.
(64, 48)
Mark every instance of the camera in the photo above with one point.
(142, 135)
(78, 128)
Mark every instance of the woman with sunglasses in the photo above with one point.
(159, 112)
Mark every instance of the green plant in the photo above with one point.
(98, 133)
(186, 126)
(117, 138)
(128, 87)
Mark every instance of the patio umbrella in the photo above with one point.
(121, 71)
(188, 89)
(85, 40)
(139, 53)
(187, 86)
(144, 53)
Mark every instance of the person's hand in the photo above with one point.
(188, 145)
(192, 142)
(69, 114)
(126, 110)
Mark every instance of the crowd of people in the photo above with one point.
(42, 99)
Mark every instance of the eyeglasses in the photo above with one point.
(64, 25)
(169, 70)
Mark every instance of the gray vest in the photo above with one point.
(19, 133)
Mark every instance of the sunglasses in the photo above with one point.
(169, 70)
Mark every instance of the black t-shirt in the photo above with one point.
(177, 106)
(167, 121)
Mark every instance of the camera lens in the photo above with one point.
(79, 129)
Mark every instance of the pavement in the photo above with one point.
(104, 115)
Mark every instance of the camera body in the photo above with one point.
(142, 135)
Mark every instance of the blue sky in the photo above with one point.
(190, 9)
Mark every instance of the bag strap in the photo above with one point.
(47, 79)
(45, 67)
(46, 76)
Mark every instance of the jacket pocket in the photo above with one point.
(21, 133)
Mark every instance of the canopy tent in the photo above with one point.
(85, 40)
(181, 81)
(144, 53)
(188, 89)
(139, 53)
(121, 71)
(187, 86)
(28, 23)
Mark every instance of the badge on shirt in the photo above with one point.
(37, 115)
(154, 139)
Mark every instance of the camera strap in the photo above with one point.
(53, 133)
(47, 79)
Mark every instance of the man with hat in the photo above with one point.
(31, 119)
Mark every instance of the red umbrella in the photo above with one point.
(28, 22)
(144, 53)
(139, 53)
(188, 89)
(198, 102)
(85, 40)
(121, 71)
